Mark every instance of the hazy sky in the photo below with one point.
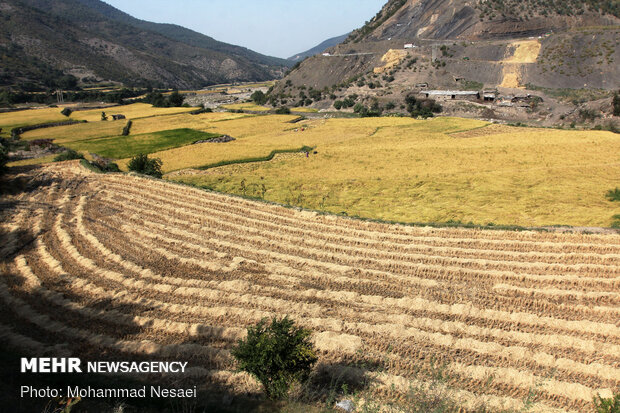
(273, 27)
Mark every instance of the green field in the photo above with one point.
(120, 147)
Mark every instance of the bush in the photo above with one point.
(283, 111)
(259, 97)
(127, 128)
(425, 108)
(4, 157)
(141, 163)
(276, 354)
(66, 112)
(68, 156)
(616, 104)
(613, 194)
(338, 104)
(607, 405)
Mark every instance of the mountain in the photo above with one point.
(320, 48)
(483, 19)
(89, 39)
(449, 44)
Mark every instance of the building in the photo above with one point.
(452, 94)
(489, 95)
(409, 46)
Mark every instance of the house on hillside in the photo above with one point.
(409, 46)
(489, 95)
(451, 94)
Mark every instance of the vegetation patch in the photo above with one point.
(120, 147)
(258, 158)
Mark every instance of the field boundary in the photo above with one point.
(252, 160)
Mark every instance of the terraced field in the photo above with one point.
(121, 266)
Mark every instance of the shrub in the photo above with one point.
(613, 194)
(141, 163)
(4, 157)
(127, 128)
(283, 111)
(68, 155)
(607, 405)
(338, 104)
(276, 354)
(259, 97)
(425, 108)
(616, 104)
(66, 112)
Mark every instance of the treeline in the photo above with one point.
(9, 97)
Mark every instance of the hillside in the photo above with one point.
(482, 19)
(92, 40)
(481, 35)
(542, 48)
(319, 48)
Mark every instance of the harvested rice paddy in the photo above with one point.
(123, 267)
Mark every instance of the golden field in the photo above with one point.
(405, 170)
(133, 111)
(253, 107)
(76, 132)
(10, 120)
(395, 169)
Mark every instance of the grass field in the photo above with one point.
(119, 147)
(118, 267)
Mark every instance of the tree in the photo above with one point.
(175, 99)
(4, 157)
(283, 111)
(142, 164)
(277, 354)
(616, 103)
(259, 97)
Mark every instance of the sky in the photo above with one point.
(279, 28)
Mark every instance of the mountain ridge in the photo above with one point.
(334, 41)
(91, 39)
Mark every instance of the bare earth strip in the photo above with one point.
(126, 265)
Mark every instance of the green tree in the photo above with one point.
(175, 99)
(141, 163)
(283, 111)
(68, 156)
(259, 97)
(277, 354)
(616, 103)
(4, 157)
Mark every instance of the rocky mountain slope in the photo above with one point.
(42, 40)
(572, 44)
(319, 48)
